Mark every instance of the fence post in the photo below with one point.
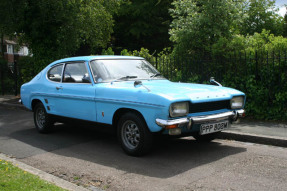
(245, 62)
(256, 65)
(156, 61)
(33, 69)
(279, 67)
(267, 62)
(2, 77)
(273, 60)
(167, 72)
(285, 64)
(16, 77)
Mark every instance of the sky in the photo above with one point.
(280, 5)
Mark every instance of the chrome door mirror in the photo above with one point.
(213, 82)
(138, 84)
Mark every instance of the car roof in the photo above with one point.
(89, 58)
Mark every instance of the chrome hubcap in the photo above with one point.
(40, 117)
(130, 134)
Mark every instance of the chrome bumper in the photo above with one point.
(232, 115)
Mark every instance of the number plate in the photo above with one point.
(213, 127)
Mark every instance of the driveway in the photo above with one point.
(92, 158)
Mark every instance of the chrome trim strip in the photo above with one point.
(125, 101)
(89, 98)
(214, 117)
(241, 112)
(202, 119)
(162, 122)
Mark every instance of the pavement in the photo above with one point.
(247, 130)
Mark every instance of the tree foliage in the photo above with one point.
(143, 24)
(264, 41)
(56, 28)
(285, 24)
(258, 15)
(197, 24)
(9, 19)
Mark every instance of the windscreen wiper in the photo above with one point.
(155, 75)
(127, 77)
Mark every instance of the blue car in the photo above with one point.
(130, 95)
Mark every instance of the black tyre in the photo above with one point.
(134, 135)
(206, 138)
(42, 120)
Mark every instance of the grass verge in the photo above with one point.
(13, 178)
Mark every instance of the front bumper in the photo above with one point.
(189, 121)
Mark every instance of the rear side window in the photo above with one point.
(76, 73)
(55, 73)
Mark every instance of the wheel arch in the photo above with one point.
(120, 112)
(35, 102)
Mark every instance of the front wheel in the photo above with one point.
(134, 135)
(42, 120)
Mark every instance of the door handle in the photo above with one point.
(58, 88)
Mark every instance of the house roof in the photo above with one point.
(10, 42)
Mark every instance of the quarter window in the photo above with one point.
(76, 73)
(55, 73)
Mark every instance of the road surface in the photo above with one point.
(92, 158)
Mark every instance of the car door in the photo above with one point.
(77, 93)
(53, 88)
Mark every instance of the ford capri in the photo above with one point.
(128, 94)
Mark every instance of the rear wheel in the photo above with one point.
(134, 135)
(206, 138)
(42, 120)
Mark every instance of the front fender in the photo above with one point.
(108, 108)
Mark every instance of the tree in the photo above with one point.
(54, 29)
(142, 24)
(198, 24)
(258, 15)
(9, 19)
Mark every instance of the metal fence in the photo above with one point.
(269, 68)
(13, 75)
(265, 66)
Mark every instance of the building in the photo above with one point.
(12, 51)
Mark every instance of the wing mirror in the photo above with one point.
(139, 83)
(213, 82)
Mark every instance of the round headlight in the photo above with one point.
(179, 109)
(237, 102)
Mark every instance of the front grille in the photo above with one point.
(209, 106)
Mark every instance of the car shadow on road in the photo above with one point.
(169, 157)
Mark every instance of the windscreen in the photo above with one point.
(118, 70)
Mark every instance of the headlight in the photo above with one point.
(179, 109)
(237, 102)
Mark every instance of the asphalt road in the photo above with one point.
(89, 157)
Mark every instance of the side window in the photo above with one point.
(55, 73)
(76, 73)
